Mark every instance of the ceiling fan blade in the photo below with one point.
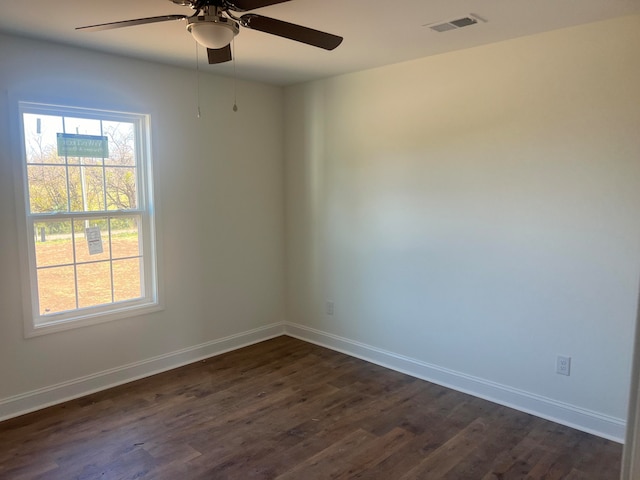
(130, 23)
(245, 5)
(219, 55)
(291, 31)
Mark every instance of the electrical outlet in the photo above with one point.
(329, 308)
(563, 365)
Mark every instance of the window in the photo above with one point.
(86, 178)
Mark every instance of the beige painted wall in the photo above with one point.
(477, 212)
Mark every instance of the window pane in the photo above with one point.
(122, 192)
(127, 279)
(40, 138)
(47, 188)
(125, 237)
(94, 284)
(95, 188)
(82, 126)
(75, 189)
(56, 290)
(86, 187)
(53, 243)
(121, 137)
(83, 251)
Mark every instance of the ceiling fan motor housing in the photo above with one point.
(212, 31)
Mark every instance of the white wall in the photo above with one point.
(474, 214)
(219, 185)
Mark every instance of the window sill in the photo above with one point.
(85, 320)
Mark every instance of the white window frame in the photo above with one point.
(36, 324)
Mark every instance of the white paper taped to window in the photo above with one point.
(94, 240)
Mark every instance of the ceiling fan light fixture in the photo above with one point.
(211, 31)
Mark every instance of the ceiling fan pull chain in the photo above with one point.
(197, 79)
(235, 76)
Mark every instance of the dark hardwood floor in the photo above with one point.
(286, 409)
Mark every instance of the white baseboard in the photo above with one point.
(575, 417)
(37, 399)
(565, 414)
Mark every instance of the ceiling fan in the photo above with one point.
(214, 25)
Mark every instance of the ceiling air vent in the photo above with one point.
(472, 19)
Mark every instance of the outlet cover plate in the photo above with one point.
(329, 308)
(563, 365)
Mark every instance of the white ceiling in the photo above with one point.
(375, 33)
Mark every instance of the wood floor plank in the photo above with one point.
(292, 410)
(331, 462)
(447, 456)
(376, 452)
(552, 467)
